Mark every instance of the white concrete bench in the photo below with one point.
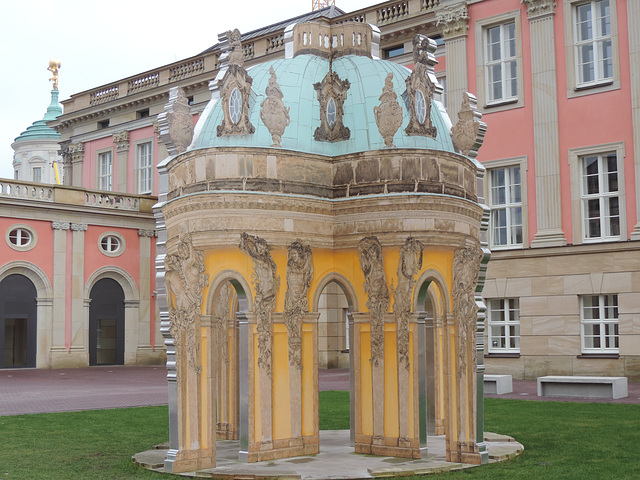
(589, 387)
(498, 384)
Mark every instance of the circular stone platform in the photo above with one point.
(336, 460)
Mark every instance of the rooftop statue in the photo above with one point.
(54, 66)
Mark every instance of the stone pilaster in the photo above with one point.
(121, 141)
(79, 324)
(59, 323)
(633, 13)
(146, 321)
(545, 124)
(453, 22)
(76, 152)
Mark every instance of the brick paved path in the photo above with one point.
(39, 391)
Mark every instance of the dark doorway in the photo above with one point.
(17, 322)
(106, 323)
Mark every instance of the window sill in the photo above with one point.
(604, 356)
(502, 103)
(501, 355)
(604, 83)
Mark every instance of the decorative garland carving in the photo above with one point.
(185, 279)
(273, 112)
(331, 91)
(389, 113)
(421, 87)
(375, 284)
(409, 265)
(296, 304)
(466, 268)
(235, 90)
(266, 284)
(453, 19)
(221, 318)
(468, 133)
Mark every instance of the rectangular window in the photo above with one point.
(145, 167)
(593, 43)
(37, 174)
(600, 197)
(394, 51)
(503, 318)
(599, 324)
(501, 65)
(505, 199)
(105, 171)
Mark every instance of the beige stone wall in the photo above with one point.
(549, 283)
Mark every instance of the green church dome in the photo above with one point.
(39, 129)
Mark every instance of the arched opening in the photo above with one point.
(106, 323)
(333, 327)
(18, 322)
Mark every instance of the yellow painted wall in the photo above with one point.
(281, 405)
(308, 396)
(391, 418)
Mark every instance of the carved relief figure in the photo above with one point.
(273, 113)
(236, 57)
(468, 133)
(266, 284)
(466, 268)
(409, 265)
(331, 92)
(185, 279)
(296, 304)
(389, 113)
(375, 284)
(421, 87)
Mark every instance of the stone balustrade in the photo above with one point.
(148, 80)
(12, 190)
(275, 43)
(186, 69)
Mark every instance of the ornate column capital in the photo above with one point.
(60, 225)
(539, 8)
(147, 233)
(453, 20)
(79, 227)
(76, 151)
(121, 140)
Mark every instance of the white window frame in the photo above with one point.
(33, 174)
(140, 169)
(577, 201)
(505, 164)
(33, 237)
(116, 252)
(574, 87)
(603, 323)
(602, 197)
(510, 323)
(482, 72)
(104, 178)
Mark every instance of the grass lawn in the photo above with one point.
(562, 441)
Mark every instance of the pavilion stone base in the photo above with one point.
(463, 452)
(189, 461)
(387, 446)
(284, 448)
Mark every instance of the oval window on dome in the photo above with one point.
(331, 112)
(235, 105)
(111, 244)
(21, 237)
(421, 107)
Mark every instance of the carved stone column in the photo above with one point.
(76, 150)
(453, 20)
(633, 13)
(121, 141)
(545, 124)
(67, 169)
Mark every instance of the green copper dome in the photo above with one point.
(296, 77)
(39, 129)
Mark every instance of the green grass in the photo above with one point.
(562, 441)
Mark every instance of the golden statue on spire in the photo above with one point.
(54, 66)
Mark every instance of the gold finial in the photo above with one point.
(54, 66)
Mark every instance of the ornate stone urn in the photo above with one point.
(273, 112)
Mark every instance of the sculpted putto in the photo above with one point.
(296, 304)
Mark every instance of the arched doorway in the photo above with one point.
(333, 327)
(17, 322)
(106, 323)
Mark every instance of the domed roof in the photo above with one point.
(296, 78)
(39, 129)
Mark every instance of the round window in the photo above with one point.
(421, 107)
(21, 237)
(235, 105)
(331, 112)
(111, 244)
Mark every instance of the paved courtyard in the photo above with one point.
(38, 391)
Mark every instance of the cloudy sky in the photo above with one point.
(100, 42)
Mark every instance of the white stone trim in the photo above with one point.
(22, 248)
(121, 247)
